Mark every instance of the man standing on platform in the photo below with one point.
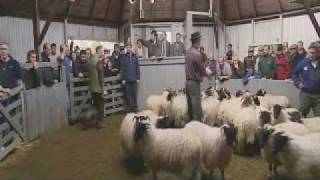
(177, 48)
(95, 69)
(306, 77)
(195, 71)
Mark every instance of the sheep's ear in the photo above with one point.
(295, 117)
(170, 96)
(276, 110)
(256, 100)
(265, 117)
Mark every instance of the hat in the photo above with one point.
(195, 36)
(153, 31)
(280, 47)
(251, 49)
(122, 48)
(293, 46)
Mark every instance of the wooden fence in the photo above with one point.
(11, 121)
(80, 97)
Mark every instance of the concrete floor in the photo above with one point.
(73, 154)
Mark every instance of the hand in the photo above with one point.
(208, 71)
(138, 81)
(105, 92)
(81, 75)
(35, 64)
(300, 86)
(251, 77)
(123, 82)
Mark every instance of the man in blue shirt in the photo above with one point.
(10, 69)
(306, 77)
(130, 75)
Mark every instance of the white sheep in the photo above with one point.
(217, 145)
(179, 110)
(265, 141)
(127, 130)
(313, 124)
(268, 100)
(160, 103)
(174, 150)
(210, 106)
(282, 114)
(299, 154)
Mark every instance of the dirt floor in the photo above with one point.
(74, 154)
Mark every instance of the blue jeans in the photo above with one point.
(131, 89)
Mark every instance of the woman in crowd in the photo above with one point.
(32, 75)
(237, 68)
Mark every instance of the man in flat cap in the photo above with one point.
(250, 60)
(195, 71)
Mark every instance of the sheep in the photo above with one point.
(160, 103)
(265, 141)
(282, 114)
(313, 124)
(299, 154)
(210, 105)
(268, 100)
(179, 110)
(174, 150)
(127, 130)
(217, 145)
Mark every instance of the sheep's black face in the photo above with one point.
(256, 100)
(141, 127)
(265, 117)
(222, 96)
(263, 136)
(295, 117)
(239, 93)
(171, 95)
(231, 133)
(228, 93)
(209, 92)
(279, 142)
(261, 92)
(246, 101)
(276, 111)
(163, 123)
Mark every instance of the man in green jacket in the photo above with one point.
(266, 65)
(95, 69)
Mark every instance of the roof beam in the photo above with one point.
(107, 10)
(173, 7)
(36, 26)
(313, 19)
(238, 8)
(69, 8)
(93, 5)
(254, 8)
(121, 12)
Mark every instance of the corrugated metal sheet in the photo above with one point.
(18, 33)
(267, 32)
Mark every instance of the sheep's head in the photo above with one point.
(264, 135)
(261, 92)
(277, 110)
(265, 117)
(231, 133)
(221, 95)
(280, 140)
(171, 95)
(209, 91)
(246, 101)
(256, 100)
(295, 116)
(183, 91)
(239, 93)
(142, 124)
(163, 122)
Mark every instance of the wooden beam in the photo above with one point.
(93, 5)
(107, 9)
(69, 8)
(280, 6)
(36, 27)
(173, 8)
(255, 12)
(193, 5)
(313, 19)
(121, 12)
(238, 8)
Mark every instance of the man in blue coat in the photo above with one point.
(130, 75)
(306, 77)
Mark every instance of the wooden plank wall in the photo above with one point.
(46, 109)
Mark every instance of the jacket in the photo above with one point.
(177, 49)
(283, 67)
(95, 69)
(307, 76)
(130, 68)
(154, 48)
(247, 77)
(80, 67)
(250, 62)
(165, 49)
(267, 67)
(194, 66)
(225, 71)
(10, 73)
(237, 73)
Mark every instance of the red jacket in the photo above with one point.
(283, 67)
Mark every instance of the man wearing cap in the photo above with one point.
(306, 77)
(250, 60)
(195, 71)
(266, 65)
(283, 65)
(153, 45)
(177, 48)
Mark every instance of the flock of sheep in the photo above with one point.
(168, 140)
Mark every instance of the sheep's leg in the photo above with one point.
(222, 174)
(275, 172)
(270, 171)
(211, 174)
(154, 175)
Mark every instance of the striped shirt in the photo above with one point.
(195, 69)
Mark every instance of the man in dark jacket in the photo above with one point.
(81, 66)
(250, 60)
(10, 69)
(267, 65)
(306, 77)
(165, 45)
(293, 56)
(130, 75)
(195, 71)
(153, 45)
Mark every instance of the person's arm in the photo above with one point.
(76, 70)
(274, 68)
(289, 68)
(137, 68)
(123, 69)
(19, 73)
(296, 76)
(100, 74)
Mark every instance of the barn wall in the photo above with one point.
(18, 32)
(268, 32)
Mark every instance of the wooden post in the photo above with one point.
(36, 27)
